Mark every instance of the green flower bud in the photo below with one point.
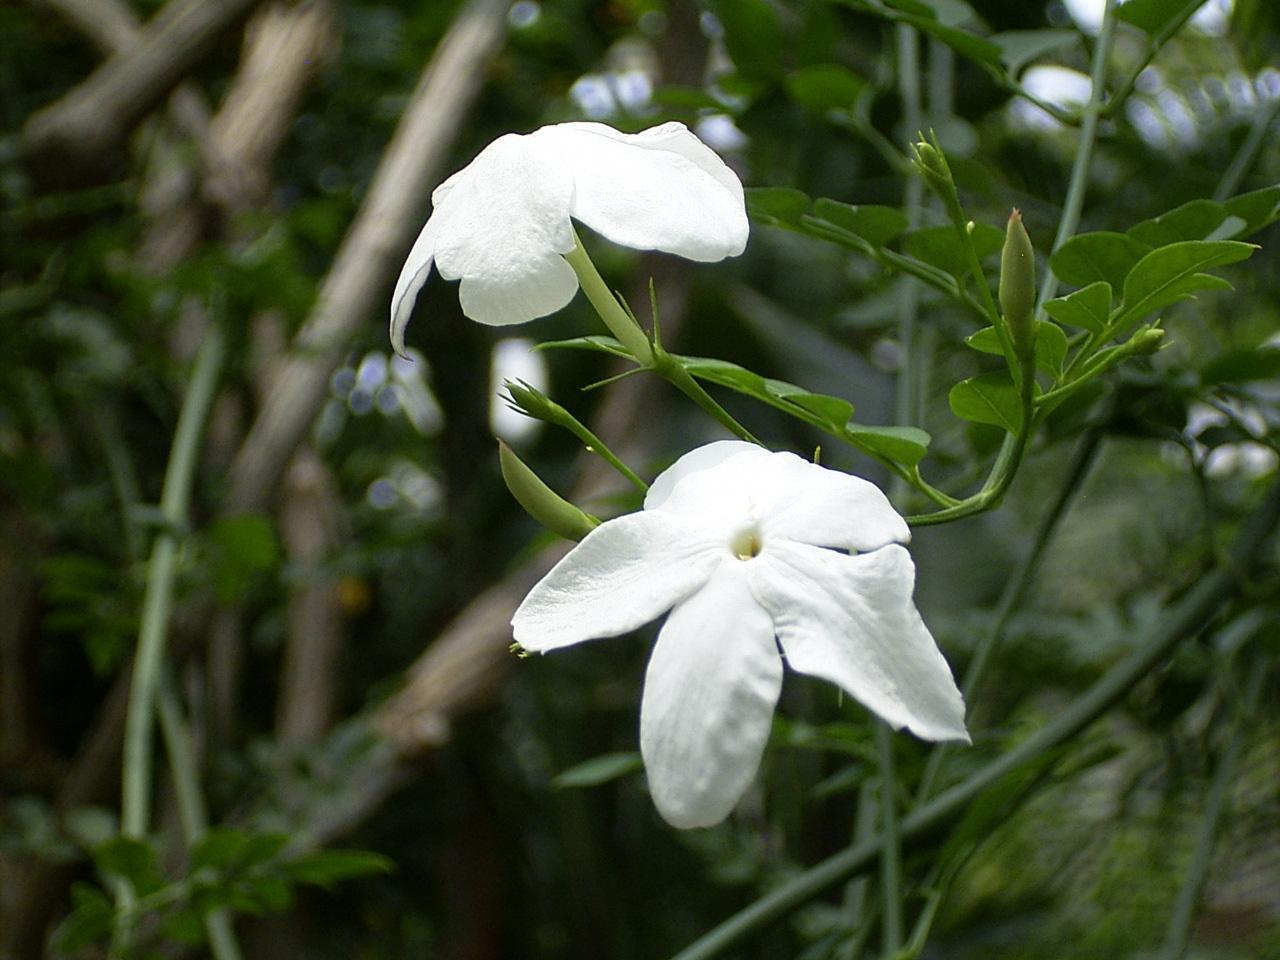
(1018, 289)
(933, 166)
(1146, 341)
(541, 502)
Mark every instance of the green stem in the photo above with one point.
(1153, 47)
(998, 480)
(864, 825)
(890, 845)
(158, 598)
(535, 403)
(1074, 203)
(909, 86)
(1184, 908)
(620, 323)
(1248, 151)
(674, 373)
(624, 327)
(191, 809)
(1187, 618)
(1015, 590)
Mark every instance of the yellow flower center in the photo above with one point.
(746, 543)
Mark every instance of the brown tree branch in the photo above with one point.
(372, 248)
(311, 530)
(112, 27)
(286, 44)
(109, 24)
(94, 117)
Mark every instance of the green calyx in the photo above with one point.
(541, 502)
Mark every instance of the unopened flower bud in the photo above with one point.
(932, 164)
(1018, 289)
(1146, 341)
(541, 502)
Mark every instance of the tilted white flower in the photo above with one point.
(751, 551)
(502, 224)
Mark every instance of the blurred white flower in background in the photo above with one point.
(754, 553)
(1060, 86)
(501, 225)
(1212, 18)
(1247, 457)
(515, 358)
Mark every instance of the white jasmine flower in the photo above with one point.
(747, 549)
(502, 224)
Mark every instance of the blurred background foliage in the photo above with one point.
(391, 533)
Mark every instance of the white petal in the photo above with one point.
(787, 497)
(417, 266)
(694, 462)
(661, 189)
(624, 573)
(851, 620)
(413, 275)
(799, 500)
(709, 694)
(506, 222)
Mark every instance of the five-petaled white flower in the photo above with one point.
(502, 224)
(751, 551)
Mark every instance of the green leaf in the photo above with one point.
(1051, 345)
(324, 868)
(943, 248)
(776, 206)
(226, 849)
(265, 893)
(1090, 257)
(833, 410)
(989, 398)
(874, 224)
(1088, 308)
(262, 848)
(244, 547)
(905, 445)
(598, 770)
(1151, 16)
(89, 922)
(1238, 366)
(1020, 47)
(596, 342)
(825, 86)
(829, 413)
(752, 36)
(692, 98)
(953, 13)
(1195, 220)
(917, 8)
(219, 849)
(985, 340)
(1051, 348)
(1172, 273)
(185, 926)
(131, 860)
(966, 44)
(1258, 209)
